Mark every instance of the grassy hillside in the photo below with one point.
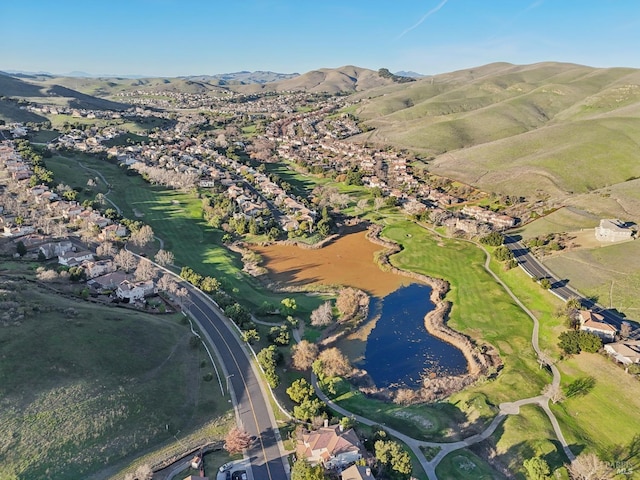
(331, 80)
(557, 128)
(85, 387)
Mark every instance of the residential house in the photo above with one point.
(110, 281)
(114, 231)
(133, 291)
(196, 462)
(612, 230)
(357, 472)
(18, 231)
(626, 352)
(73, 259)
(101, 267)
(53, 249)
(594, 323)
(330, 446)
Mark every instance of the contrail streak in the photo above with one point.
(424, 17)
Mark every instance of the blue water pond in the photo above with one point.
(399, 349)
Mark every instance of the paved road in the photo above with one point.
(559, 287)
(252, 408)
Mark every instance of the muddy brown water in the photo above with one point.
(347, 261)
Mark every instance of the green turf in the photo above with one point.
(463, 465)
(481, 308)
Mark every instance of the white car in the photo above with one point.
(226, 467)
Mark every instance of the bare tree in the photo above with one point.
(347, 302)
(236, 441)
(322, 316)
(143, 236)
(334, 363)
(378, 202)
(144, 472)
(164, 258)
(145, 270)
(106, 249)
(588, 466)
(625, 330)
(167, 283)
(304, 354)
(553, 392)
(362, 205)
(125, 260)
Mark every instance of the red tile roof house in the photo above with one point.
(594, 323)
(357, 472)
(330, 447)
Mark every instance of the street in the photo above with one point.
(256, 417)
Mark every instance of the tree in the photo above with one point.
(553, 392)
(209, 284)
(268, 359)
(390, 453)
(251, 336)
(588, 466)
(236, 441)
(545, 283)
(280, 335)
(323, 315)
(105, 249)
(144, 271)
(289, 305)
(304, 354)
(142, 237)
(164, 258)
(503, 253)
(537, 468)
(167, 283)
(335, 363)
(125, 260)
(625, 330)
(21, 248)
(308, 409)
(494, 239)
(300, 390)
(302, 470)
(348, 302)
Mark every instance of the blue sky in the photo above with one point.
(193, 37)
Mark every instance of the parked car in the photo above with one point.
(226, 466)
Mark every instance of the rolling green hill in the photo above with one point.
(550, 127)
(78, 378)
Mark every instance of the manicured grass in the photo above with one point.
(524, 436)
(43, 136)
(78, 382)
(463, 465)
(481, 308)
(176, 217)
(126, 139)
(438, 421)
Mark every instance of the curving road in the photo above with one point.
(250, 400)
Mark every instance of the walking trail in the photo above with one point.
(508, 408)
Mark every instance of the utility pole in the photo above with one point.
(228, 377)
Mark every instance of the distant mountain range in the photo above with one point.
(410, 74)
(244, 77)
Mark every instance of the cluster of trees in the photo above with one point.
(166, 177)
(494, 239)
(205, 283)
(385, 73)
(573, 342)
(269, 358)
(309, 406)
(240, 316)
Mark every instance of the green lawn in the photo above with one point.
(78, 379)
(481, 308)
(463, 465)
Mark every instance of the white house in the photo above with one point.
(612, 230)
(101, 267)
(133, 291)
(594, 323)
(72, 259)
(626, 352)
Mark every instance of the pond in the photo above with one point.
(349, 261)
(399, 350)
